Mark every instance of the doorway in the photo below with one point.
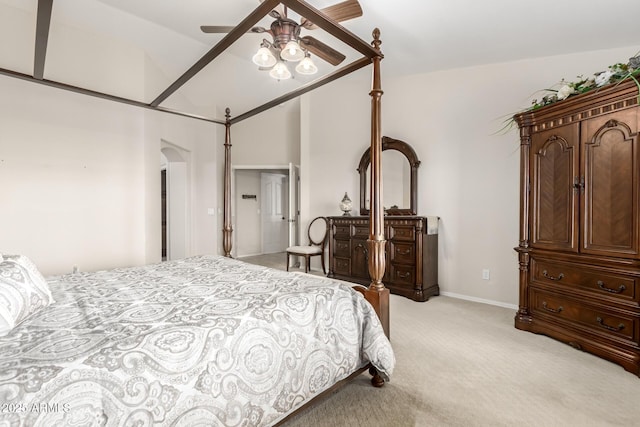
(265, 209)
(175, 201)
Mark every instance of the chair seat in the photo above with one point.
(305, 250)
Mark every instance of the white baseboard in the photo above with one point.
(481, 300)
(246, 255)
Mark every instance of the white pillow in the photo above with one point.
(23, 291)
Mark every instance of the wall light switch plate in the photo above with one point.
(486, 274)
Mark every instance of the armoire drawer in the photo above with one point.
(602, 283)
(573, 311)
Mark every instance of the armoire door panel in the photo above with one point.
(609, 216)
(555, 190)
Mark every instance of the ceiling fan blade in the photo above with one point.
(227, 29)
(216, 29)
(322, 50)
(339, 12)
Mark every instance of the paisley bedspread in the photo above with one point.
(206, 340)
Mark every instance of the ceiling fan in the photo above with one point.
(286, 44)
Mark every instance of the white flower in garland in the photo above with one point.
(565, 91)
(603, 78)
(587, 84)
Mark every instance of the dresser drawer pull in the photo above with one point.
(613, 291)
(545, 274)
(405, 252)
(552, 310)
(403, 276)
(609, 328)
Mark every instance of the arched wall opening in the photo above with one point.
(175, 161)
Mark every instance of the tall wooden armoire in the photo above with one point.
(579, 250)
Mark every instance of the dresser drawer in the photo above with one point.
(573, 311)
(360, 232)
(600, 282)
(403, 252)
(402, 232)
(342, 266)
(411, 256)
(342, 231)
(342, 248)
(402, 275)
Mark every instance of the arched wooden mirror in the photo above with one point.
(399, 178)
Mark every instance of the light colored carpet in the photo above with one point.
(279, 260)
(462, 363)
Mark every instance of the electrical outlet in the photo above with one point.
(486, 274)
(75, 269)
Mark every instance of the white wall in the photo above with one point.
(469, 176)
(248, 236)
(73, 179)
(269, 138)
(79, 179)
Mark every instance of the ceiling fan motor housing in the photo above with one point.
(284, 30)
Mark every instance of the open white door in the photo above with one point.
(274, 212)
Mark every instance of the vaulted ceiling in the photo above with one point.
(137, 49)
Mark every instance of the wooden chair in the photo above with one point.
(317, 233)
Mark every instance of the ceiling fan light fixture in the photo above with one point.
(264, 57)
(280, 71)
(306, 66)
(292, 52)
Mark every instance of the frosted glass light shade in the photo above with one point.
(292, 52)
(280, 72)
(264, 58)
(306, 66)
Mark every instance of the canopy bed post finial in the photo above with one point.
(378, 294)
(227, 230)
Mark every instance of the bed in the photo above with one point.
(207, 340)
(186, 342)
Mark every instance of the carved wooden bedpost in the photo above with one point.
(378, 293)
(227, 229)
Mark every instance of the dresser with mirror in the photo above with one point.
(412, 241)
